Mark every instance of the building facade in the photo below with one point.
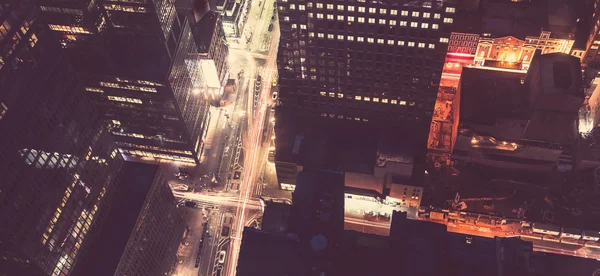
(157, 106)
(377, 62)
(145, 228)
(58, 163)
(213, 51)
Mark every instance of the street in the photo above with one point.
(223, 188)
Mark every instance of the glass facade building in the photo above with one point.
(146, 228)
(59, 166)
(131, 56)
(377, 62)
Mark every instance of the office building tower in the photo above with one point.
(213, 52)
(379, 62)
(58, 164)
(137, 62)
(144, 228)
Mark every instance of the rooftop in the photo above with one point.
(489, 95)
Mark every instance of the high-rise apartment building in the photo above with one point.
(137, 62)
(58, 164)
(379, 62)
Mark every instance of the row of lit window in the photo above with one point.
(379, 40)
(154, 148)
(69, 29)
(339, 116)
(364, 9)
(157, 155)
(141, 136)
(61, 10)
(144, 82)
(94, 89)
(115, 7)
(125, 99)
(381, 21)
(128, 87)
(366, 99)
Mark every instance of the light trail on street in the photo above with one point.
(232, 201)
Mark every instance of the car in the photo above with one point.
(273, 108)
(222, 256)
(271, 27)
(274, 96)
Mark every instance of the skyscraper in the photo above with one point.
(377, 62)
(58, 164)
(137, 62)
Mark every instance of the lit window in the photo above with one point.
(294, 26)
(319, 15)
(301, 7)
(448, 20)
(340, 17)
(358, 98)
(403, 23)
(319, 5)
(421, 45)
(382, 21)
(323, 93)
(426, 15)
(350, 18)
(313, 77)
(390, 42)
(361, 9)
(424, 25)
(330, 6)
(302, 26)
(431, 46)
(309, 5)
(286, 18)
(380, 41)
(402, 102)
(350, 38)
(320, 35)
(351, 8)
(292, 7)
(394, 12)
(404, 13)
(330, 16)
(93, 89)
(394, 102)
(340, 7)
(411, 44)
(450, 10)
(392, 22)
(372, 20)
(340, 95)
(435, 26)
(384, 100)
(311, 34)
(383, 11)
(331, 94)
(372, 10)
(367, 99)
(371, 40)
(310, 15)
(436, 16)
(414, 24)
(443, 40)
(376, 100)
(415, 14)
(400, 43)
(361, 20)
(340, 37)
(124, 99)
(360, 39)
(330, 36)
